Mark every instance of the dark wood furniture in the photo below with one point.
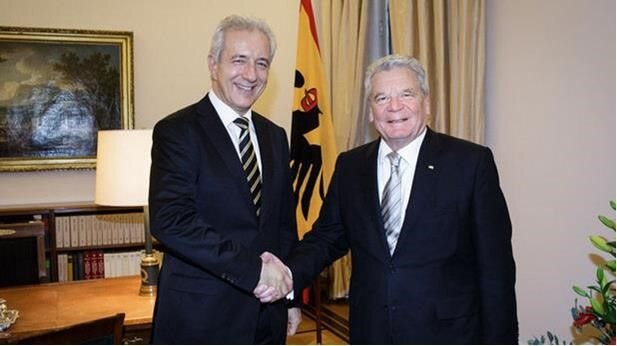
(47, 307)
(101, 331)
(22, 253)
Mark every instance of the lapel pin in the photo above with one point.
(431, 167)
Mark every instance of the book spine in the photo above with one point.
(73, 221)
(59, 233)
(87, 256)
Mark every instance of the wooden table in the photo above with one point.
(49, 306)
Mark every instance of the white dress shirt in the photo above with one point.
(227, 116)
(407, 169)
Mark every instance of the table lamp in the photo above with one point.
(122, 179)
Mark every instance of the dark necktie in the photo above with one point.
(249, 162)
(391, 202)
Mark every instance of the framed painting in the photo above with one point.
(58, 87)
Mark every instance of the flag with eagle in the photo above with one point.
(313, 151)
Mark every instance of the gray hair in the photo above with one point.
(389, 62)
(236, 22)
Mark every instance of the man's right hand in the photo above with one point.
(274, 280)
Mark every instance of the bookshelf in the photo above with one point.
(91, 229)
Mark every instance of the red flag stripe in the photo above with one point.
(308, 8)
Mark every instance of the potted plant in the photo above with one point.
(599, 313)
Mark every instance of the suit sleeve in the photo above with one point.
(173, 210)
(326, 242)
(288, 227)
(492, 233)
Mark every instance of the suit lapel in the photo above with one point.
(216, 132)
(371, 193)
(425, 177)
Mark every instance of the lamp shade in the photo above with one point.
(123, 167)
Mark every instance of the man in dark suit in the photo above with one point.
(220, 196)
(426, 223)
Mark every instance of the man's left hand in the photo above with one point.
(294, 317)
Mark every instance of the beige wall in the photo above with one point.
(171, 41)
(551, 123)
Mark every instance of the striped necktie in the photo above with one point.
(391, 202)
(249, 162)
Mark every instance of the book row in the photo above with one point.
(95, 230)
(97, 264)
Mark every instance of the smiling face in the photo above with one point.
(241, 74)
(398, 108)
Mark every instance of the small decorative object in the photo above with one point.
(7, 317)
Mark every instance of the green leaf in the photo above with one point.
(609, 304)
(580, 292)
(607, 222)
(607, 286)
(612, 203)
(611, 265)
(604, 280)
(595, 288)
(597, 307)
(600, 243)
(600, 275)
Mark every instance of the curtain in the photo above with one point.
(341, 24)
(342, 28)
(448, 37)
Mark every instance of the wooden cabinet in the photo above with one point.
(22, 253)
(49, 214)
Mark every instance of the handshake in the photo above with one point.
(274, 280)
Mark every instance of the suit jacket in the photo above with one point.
(451, 277)
(201, 213)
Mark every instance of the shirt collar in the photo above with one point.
(409, 153)
(226, 113)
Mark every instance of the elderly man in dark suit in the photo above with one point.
(426, 222)
(220, 197)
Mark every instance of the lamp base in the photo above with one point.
(149, 275)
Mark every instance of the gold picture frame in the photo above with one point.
(58, 87)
